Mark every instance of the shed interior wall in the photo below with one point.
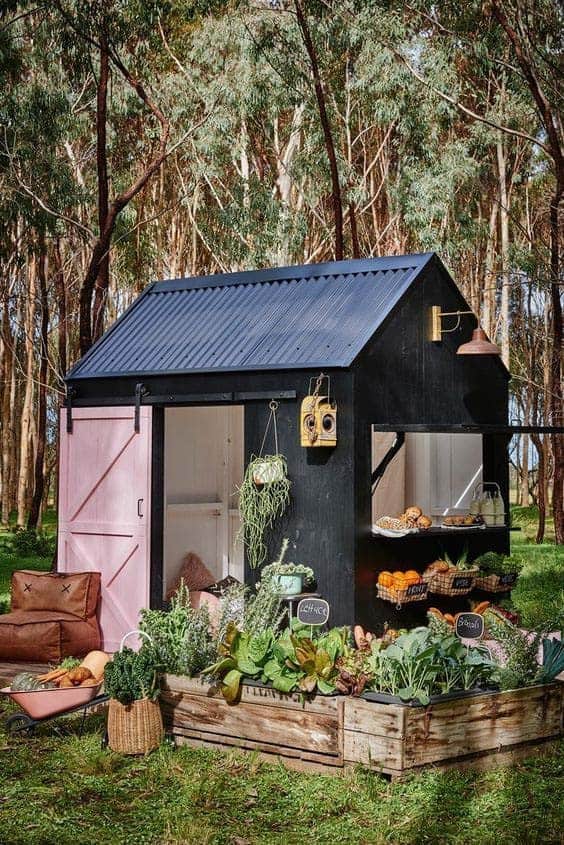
(203, 465)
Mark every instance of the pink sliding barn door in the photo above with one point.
(104, 510)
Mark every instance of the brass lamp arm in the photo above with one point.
(436, 316)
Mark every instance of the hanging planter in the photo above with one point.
(268, 470)
(263, 496)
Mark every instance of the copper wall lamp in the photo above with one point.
(479, 345)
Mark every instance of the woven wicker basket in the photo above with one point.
(492, 583)
(443, 583)
(135, 728)
(400, 597)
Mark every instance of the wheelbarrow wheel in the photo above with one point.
(20, 723)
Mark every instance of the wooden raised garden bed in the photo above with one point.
(264, 720)
(333, 732)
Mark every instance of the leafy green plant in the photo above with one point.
(27, 542)
(424, 662)
(181, 640)
(131, 676)
(494, 563)
(461, 561)
(241, 655)
(552, 660)
(260, 504)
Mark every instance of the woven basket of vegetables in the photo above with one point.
(135, 728)
(135, 724)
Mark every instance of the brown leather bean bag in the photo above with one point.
(53, 615)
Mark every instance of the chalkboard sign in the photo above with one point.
(508, 579)
(313, 611)
(417, 590)
(469, 626)
(462, 582)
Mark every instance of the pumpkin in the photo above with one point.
(386, 579)
(26, 682)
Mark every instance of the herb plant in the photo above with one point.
(494, 563)
(181, 641)
(521, 666)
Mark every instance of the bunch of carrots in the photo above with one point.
(78, 676)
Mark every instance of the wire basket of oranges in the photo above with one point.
(402, 587)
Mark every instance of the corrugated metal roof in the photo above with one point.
(293, 317)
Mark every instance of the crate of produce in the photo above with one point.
(452, 582)
(496, 583)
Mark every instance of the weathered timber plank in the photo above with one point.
(296, 763)
(328, 705)
(283, 726)
(369, 717)
(377, 752)
(458, 728)
(9, 670)
(223, 740)
(486, 760)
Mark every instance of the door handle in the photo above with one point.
(139, 503)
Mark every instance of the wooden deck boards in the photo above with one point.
(10, 670)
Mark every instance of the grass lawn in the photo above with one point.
(64, 789)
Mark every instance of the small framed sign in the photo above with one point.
(313, 612)
(469, 626)
(508, 579)
(417, 589)
(462, 582)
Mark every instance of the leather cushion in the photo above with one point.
(75, 593)
(46, 636)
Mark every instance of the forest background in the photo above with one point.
(142, 140)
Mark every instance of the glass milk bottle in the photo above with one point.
(499, 509)
(476, 503)
(488, 509)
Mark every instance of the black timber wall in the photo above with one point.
(320, 522)
(403, 378)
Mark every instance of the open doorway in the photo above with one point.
(203, 466)
(437, 472)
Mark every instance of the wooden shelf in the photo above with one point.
(193, 506)
(444, 532)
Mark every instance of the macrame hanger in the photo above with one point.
(271, 419)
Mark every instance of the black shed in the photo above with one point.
(166, 409)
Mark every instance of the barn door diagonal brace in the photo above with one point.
(140, 391)
(71, 393)
(387, 459)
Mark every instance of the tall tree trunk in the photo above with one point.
(39, 478)
(488, 313)
(336, 197)
(555, 381)
(504, 232)
(61, 296)
(541, 486)
(27, 410)
(103, 277)
(7, 430)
